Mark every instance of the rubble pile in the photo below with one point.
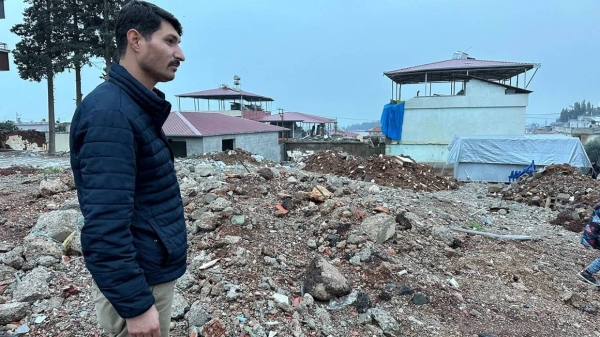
(280, 251)
(393, 171)
(231, 157)
(557, 187)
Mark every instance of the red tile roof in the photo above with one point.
(297, 117)
(375, 129)
(213, 124)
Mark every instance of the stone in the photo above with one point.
(204, 170)
(33, 287)
(386, 322)
(374, 189)
(52, 186)
(5, 247)
(320, 193)
(71, 204)
(379, 228)
(179, 307)
(13, 258)
(197, 316)
(238, 220)
(219, 204)
(7, 274)
(231, 240)
(41, 246)
(56, 224)
(207, 221)
(324, 281)
(266, 173)
(13, 312)
(420, 299)
(410, 220)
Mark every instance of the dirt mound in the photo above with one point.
(230, 157)
(17, 170)
(558, 187)
(384, 170)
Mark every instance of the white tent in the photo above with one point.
(492, 158)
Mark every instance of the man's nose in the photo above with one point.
(179, 54)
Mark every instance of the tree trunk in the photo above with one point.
(78, 95)
(51, 138)
(107, 41)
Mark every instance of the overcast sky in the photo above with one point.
(327, 57)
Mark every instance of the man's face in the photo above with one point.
(160, 55)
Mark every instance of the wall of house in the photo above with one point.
(484, 109)
(264, 144)
(420, 152)
(431, 122)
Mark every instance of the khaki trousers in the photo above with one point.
(115, 326)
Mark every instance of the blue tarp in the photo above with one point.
(392, 118)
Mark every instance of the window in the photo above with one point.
(227, 144)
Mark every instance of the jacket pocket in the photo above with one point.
(167, 244)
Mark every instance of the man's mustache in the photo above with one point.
(174, 63)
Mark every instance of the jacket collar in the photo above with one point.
(151, 101)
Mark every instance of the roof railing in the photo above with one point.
(3, 46)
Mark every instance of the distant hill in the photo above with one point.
(362, 126)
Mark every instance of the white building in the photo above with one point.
(475, 98)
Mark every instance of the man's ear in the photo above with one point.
(133, 39)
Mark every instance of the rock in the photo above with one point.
(219, 204)
(56, 224)
(355, 239)
(13, 312)
(281, 298)
(76, 243)
(14, 258)
(204, 170)
(197, 316)
(231, 240)
(405, 290)
(53, 186)
(374, 189)
(443, 234)
(208, 221)
(420, 299)
(386, 322)
(5, 247)
(324, 281)
(179, 307)
(40, 246)
(214, 328)
(363, 303)
(379, 227)
(238, 220)
(320, 193)
(312, 243)
(265, 173)
(7, 274)
(408, 220)
(71, 204)
(33, 287)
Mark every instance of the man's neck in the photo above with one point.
(137, 73)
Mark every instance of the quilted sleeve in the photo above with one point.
(107, 161)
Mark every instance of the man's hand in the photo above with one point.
(144, 325)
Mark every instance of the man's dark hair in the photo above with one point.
(144, 17)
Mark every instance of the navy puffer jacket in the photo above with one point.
(134, 234)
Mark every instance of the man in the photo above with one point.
(590, 238)
(134, 238)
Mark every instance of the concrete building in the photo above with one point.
(301, 124)
(461, 96)
(192, 132)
